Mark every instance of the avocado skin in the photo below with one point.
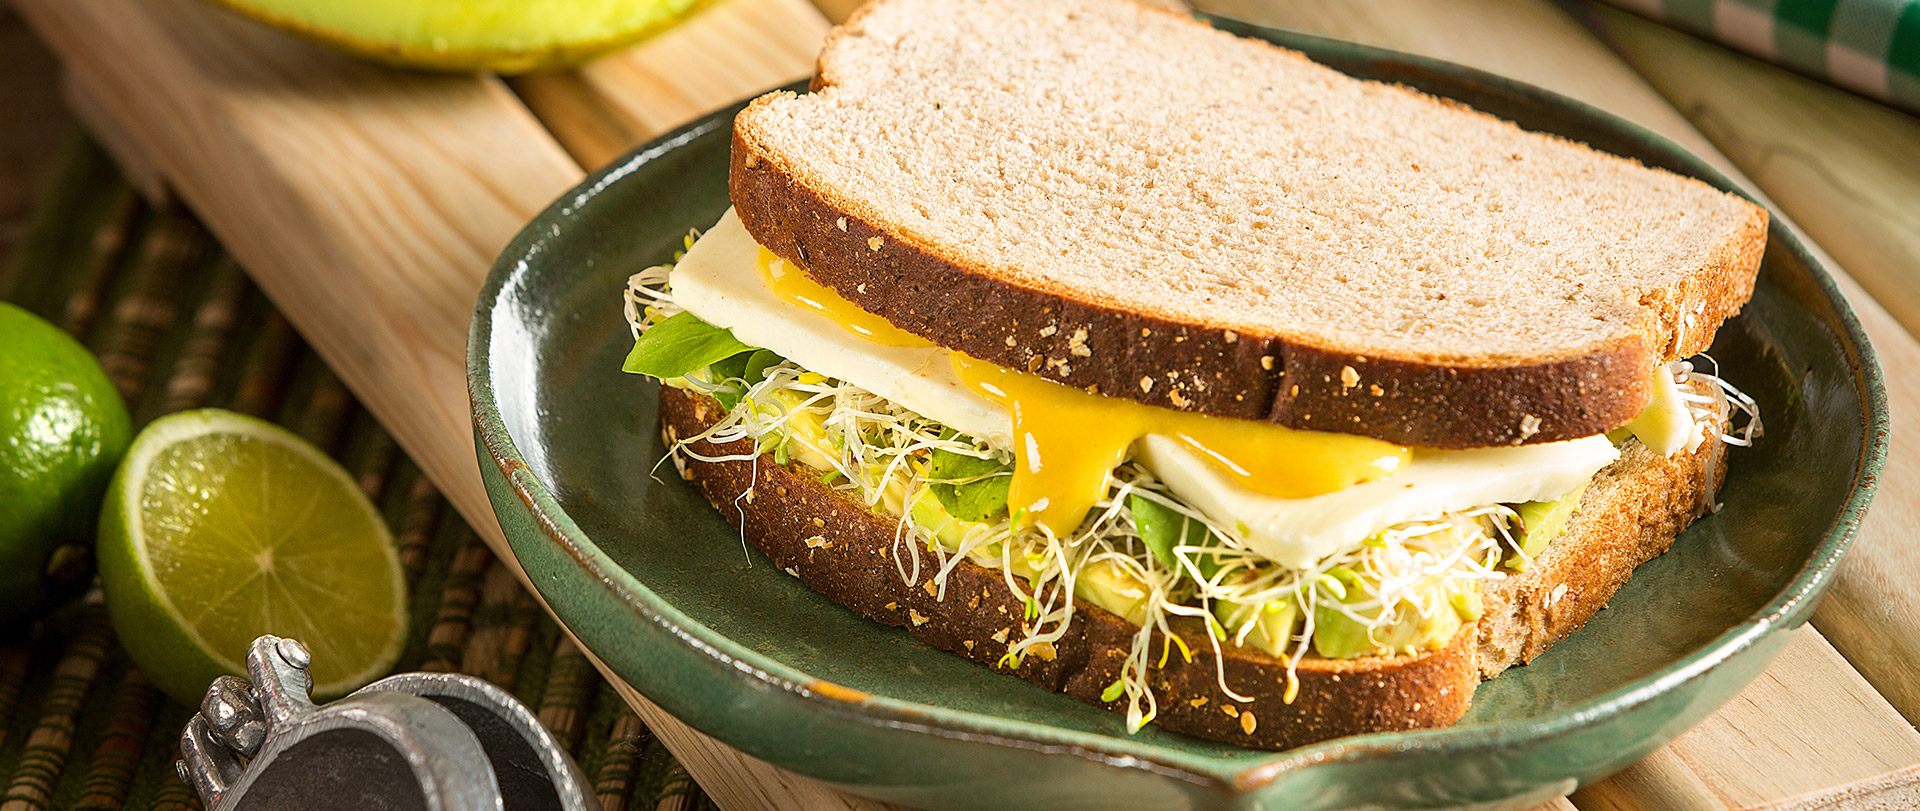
(471, 36)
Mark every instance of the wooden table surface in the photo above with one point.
(368, 204)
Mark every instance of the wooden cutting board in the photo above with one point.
(368, 204)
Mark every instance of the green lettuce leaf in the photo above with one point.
(1162, 528)
(750, 367)
(974, 500)
(679, 345)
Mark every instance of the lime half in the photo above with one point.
(219, 528)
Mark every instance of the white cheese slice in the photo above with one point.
(1666, 426)
(1297, 532)
(719, 281)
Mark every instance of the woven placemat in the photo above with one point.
(178, 325)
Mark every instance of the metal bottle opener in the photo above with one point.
(412, 742)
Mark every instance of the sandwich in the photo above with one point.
(1181, 374)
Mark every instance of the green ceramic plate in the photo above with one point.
(656, 583)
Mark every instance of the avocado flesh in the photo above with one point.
(503, 36)
(1339, 636)
(1541, 522)
(1102, 583)
(1274, 624)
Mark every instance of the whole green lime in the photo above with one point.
(63, 428)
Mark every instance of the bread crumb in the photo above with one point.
(1348, 377)
(1144, 332)
(875, 242)
(1048, 331)
(1529, 425)
(1077, 344)
(1044, 650)
(1011, 342)
(1230, 336)
(891, 606)
(1146, 384)
(1375, 390)
(999, 636)
(1033, 364)
(931, 589)
(1266, 362)
(747, 496)
(842, 223)
(1230, 710)
(816, 542)
(918, 618)
(1296, 390)
(968, 643)
(861, 288)
(754, 160)
(1247, 723)
(1179, 401)
(818, 522)
(792, 571)
(1198, 702)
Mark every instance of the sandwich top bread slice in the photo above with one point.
(1126, 199)
(898, 364)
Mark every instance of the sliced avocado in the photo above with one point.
(1274, 623)
(1105, 584)
(1541, 522)
(1102, 583)
(502, 36)
(803, 437)
(926, 513)
(1339, 636)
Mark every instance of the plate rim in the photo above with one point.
(1791, 606)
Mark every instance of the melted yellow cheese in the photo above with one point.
(795, 287)
(1066, 440)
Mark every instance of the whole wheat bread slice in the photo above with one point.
(841, 548)
(1130, 201)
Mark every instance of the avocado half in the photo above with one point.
(502, 36)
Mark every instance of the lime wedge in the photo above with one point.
(219, 528)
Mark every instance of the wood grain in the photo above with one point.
(743, 47)
(1776, 761)
(368, 203)
(1848, 171)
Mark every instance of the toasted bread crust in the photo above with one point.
(1629, 515)
(844, 550)
(1205, 369)
(856, 247)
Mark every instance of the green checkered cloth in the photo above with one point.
(1871, 47)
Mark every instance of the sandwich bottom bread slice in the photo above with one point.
(1248, 695)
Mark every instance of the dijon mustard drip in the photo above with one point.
(1066, 440)
(795, 287)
